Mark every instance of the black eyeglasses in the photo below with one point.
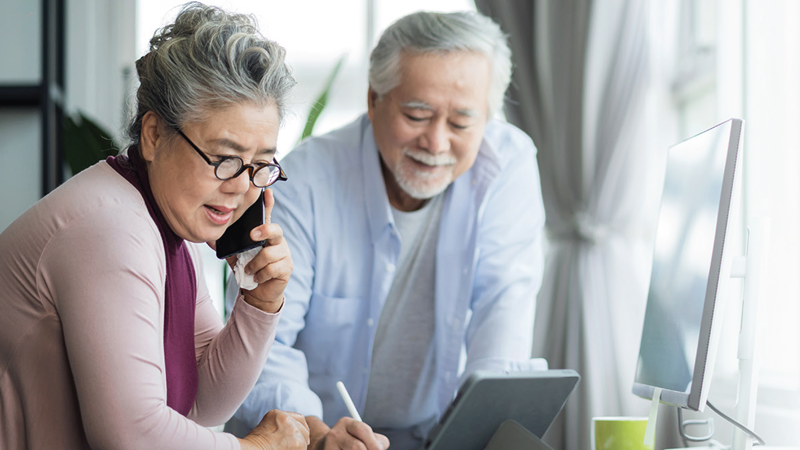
(229, 167)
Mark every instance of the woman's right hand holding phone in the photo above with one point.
(272, 266)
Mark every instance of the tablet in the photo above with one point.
(487, 399)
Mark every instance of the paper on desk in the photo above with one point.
(502, 365)
(530, 364)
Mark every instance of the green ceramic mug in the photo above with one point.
(619, 433)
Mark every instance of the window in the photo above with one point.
(742, 59)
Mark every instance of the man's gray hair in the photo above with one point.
(206, 60)
(426, 32)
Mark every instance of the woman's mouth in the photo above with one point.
(219, 215)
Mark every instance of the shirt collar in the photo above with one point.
(379, 213)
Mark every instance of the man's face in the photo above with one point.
(429, 128)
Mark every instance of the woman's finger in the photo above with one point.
(269, 202)
(277, 270)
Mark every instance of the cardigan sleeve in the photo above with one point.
(229, 358)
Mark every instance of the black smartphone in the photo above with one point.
(236, 238)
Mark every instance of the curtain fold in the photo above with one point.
(579, 89)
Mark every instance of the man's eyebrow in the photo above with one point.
(466, 112)
(416, 104)
(235, 146)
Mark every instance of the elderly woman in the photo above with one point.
(108, 337)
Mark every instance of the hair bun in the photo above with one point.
(207, 59)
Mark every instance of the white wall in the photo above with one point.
(20, 141)
(20, 36)
(100, 60)
(20, 162)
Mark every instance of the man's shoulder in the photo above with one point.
(504, 147)
(506, 139)
(335, 147)
(324, 164)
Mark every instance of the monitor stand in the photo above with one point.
(752, 268)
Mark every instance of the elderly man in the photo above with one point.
(416, 233)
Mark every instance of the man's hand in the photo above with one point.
(278, 430)
(272, 266)
(346, 434)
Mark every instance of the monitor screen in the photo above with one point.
(690, 269)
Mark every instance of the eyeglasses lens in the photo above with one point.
(228, 168)
(263, 177)
(266, 176)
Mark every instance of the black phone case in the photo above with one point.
(236, 238)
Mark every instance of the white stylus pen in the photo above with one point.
(348, 401)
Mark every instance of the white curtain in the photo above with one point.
(580, 91)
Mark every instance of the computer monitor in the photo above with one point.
(691, 268)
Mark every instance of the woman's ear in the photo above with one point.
(151, 134)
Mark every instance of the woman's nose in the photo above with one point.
(239, 184)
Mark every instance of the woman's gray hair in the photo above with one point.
(206, 60)
(425, 32)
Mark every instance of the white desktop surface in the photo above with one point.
(755, 447)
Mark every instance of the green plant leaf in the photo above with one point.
(105, 143)
(321, 102)
(73, 143)
(85, 142)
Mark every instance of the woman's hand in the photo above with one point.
(278, 430)
(272, 266)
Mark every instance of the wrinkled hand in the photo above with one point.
(349, 433)
(272, 266)
(278, 430)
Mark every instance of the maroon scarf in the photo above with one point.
(180, 292)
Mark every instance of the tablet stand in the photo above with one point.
(510, 435)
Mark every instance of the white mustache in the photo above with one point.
(430, 160)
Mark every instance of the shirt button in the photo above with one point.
(390, 268)
(370, 322)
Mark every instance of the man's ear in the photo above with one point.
(151, 134)
(372, 101)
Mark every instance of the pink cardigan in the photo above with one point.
(81, 329)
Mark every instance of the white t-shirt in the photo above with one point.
(403, 357)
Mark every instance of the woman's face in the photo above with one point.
(197, 205)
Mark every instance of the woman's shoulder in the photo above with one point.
(97, 190)
(91, 223)
(97, 201)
